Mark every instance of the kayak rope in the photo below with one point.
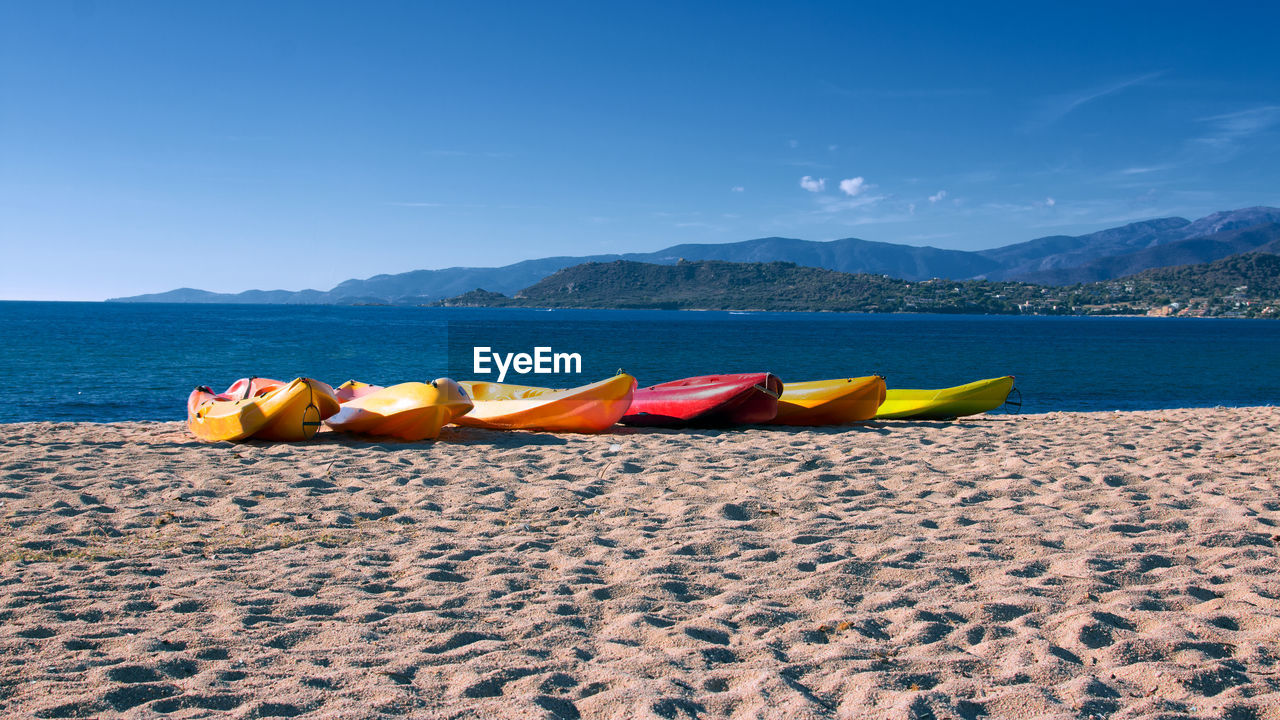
(313, 425)
(1011, 403)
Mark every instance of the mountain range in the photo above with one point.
(1244, 285)
(1052, 260)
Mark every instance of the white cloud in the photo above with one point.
(793, 143)
(911, 208)
(1229, 129)
(1024, 207)
(933, 199)
(812, 184)
(737, 188)
(853, 186)
(828, 204)
(1056, 107)
(832, 148)
(416, 204)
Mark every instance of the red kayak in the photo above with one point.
(710, 400)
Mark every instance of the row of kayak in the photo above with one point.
(274, 410)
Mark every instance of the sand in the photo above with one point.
(1067, 565)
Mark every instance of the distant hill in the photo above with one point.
(717, 285)
(1205, 248)
(1243, 285)
(1051, 260)
(431, 285)
(1231, 220)
(248, 297)
(1258, 272)
(1064, 251)
(850, 255)
(411, 288)
(1048, 260)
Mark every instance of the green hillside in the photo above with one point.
(1242, 285)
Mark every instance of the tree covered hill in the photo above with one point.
(1243, 285)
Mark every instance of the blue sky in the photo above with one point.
(228, 146)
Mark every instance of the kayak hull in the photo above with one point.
(261, 409)
(969, 399)
(830, 402)
(590, 408)
(707, 401)
(409, 411)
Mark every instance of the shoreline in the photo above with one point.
(623, 429)
(113, 301)
(1049, 565)
(541, 308)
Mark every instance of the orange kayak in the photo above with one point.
(830, 402)
(409, 411)
(586, 409)
(262, 409)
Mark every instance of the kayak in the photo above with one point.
(709, 400)
(830, 402)
(409, 411)
(971, 399)
(585, 409)
(260, 408)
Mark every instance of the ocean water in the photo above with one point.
(107, 361)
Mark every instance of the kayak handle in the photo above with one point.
(767, 391)
(1011, 402)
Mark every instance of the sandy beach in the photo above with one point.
(1066, 565)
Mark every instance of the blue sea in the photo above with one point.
(107, 361)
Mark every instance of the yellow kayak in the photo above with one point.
(830, 402)
(586, 409)
(976, 397)
(262, 409)
(409, 411)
